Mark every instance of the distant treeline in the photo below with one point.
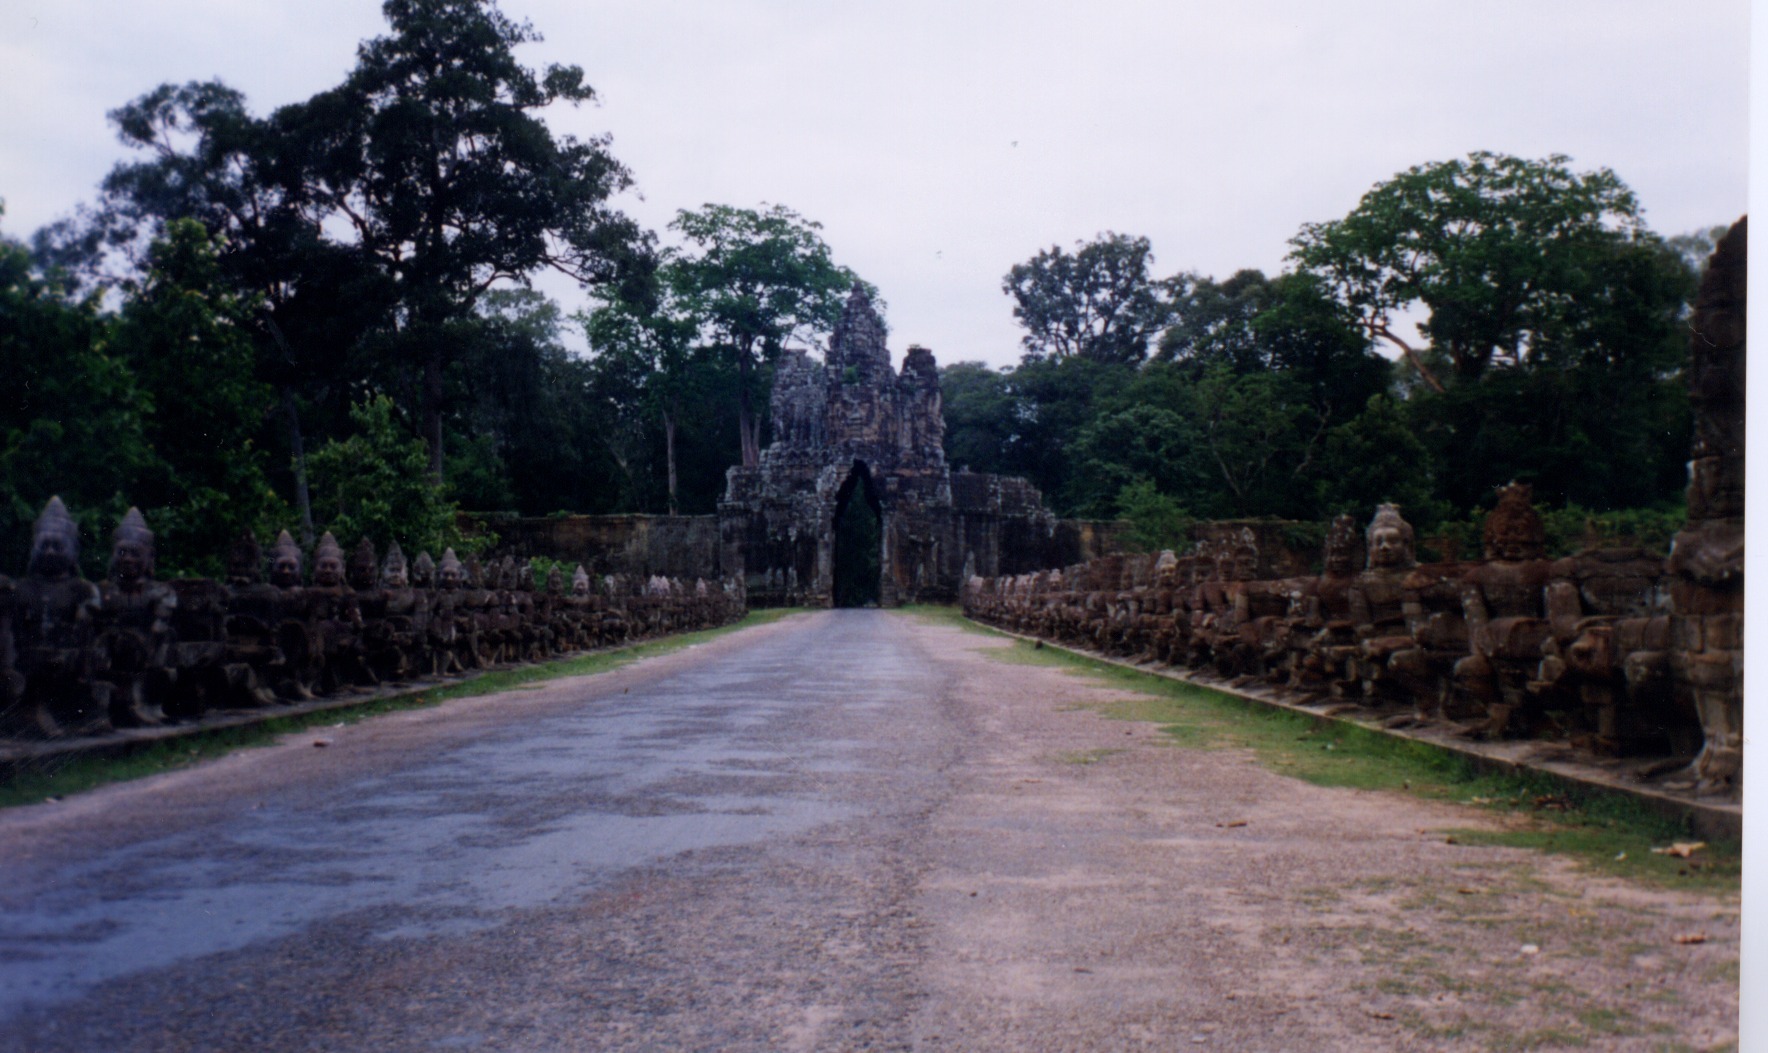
(319, 319)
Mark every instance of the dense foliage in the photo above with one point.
(321, 319)
(1550, 352)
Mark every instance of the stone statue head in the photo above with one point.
(555, 580)
(328, 562)
(1344, 548)
(1390, 540)
(245, 562)
(361, 572)
(1513, 530)
(131, 549)
(1245, 555)
(475, 573)
(580, 581)
(506, 572)
(423, 571)
(55, 542)
(393, 572)
(450, 574)
(285, 562)
(524, 576)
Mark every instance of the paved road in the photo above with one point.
(845, 830)
(504, 868)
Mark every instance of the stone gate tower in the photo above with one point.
(854, 429)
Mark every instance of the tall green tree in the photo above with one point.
(184, 335)
(71, 415)
(1493, 247)
(434, 155)
(650, 350)
(752, 279)
(1099, 302)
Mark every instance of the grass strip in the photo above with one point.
(1610, 833)
(64, 776)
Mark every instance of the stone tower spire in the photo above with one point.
(858, 343)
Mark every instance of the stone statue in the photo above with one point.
(1324, 649)
(1378, 599)
(1504, 600)
(54, 615)
(1706, 562)
(137, 632)
(295, 634)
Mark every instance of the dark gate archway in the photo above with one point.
(858, 541)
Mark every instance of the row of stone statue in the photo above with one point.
(78, 658)
(1606, 648)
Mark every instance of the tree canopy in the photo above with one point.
(1099, 302)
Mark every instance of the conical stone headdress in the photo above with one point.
(423, 570)
(57, 523)
(393, 568)
(133, 530)
(361, 572)
(285, 548)
(328, 546)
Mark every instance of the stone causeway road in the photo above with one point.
(842, 830)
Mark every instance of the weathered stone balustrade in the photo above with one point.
(1582, 650)
(79, 659)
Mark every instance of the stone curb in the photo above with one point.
(1707, 818)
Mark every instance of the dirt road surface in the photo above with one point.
(844, 830)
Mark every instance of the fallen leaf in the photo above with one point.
(1082, 969)
(1529, 948)
(1620, 856)
(1681, 849)
(1450, 840)
(1468, 891)
(1232, 823)
(320, 743)
(1381, 1016)
(1692, 937)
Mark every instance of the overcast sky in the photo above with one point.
(941, 141)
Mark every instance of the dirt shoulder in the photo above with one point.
(1098, 886)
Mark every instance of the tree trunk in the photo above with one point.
(746, 423)
(298, 453)
(669, 453)
(433, 412)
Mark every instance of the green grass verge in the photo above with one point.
(62, 777)
(1610, 833)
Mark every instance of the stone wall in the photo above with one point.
(1610, 651)
(79, 658)
(673, 546)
